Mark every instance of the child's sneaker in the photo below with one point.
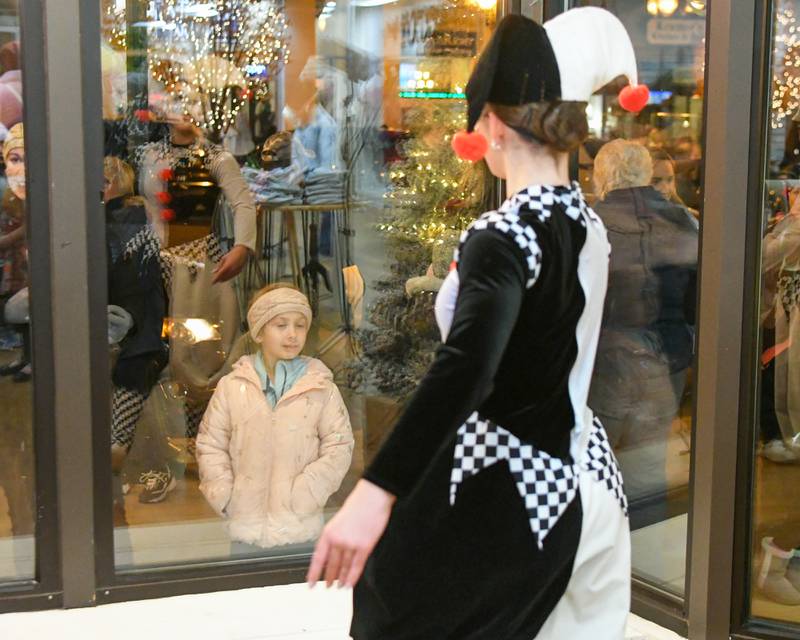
(156, 484)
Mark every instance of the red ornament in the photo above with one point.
(143, 115)
(167, 215)
(163, 197)
(633, 98)
(166, 174)
(470, 146)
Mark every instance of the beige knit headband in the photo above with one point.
(274, 303)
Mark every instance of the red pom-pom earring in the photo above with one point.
(470, 146)
(167, 215)
(634, 98)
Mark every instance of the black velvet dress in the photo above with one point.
(530, 284)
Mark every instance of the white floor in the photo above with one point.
(292, 612)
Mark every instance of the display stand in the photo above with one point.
(272, 253)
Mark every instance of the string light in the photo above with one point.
(114, 27)
(203, 58)
(785, 77)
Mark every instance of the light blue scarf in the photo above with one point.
(287, 373)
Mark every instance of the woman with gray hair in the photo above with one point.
(646, 339)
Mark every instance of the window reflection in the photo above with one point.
(649, 195)
(303, 153)
(776, 569)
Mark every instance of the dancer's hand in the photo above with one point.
(349, 538)
(231, 264)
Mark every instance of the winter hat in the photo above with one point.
(14, 140)
(569, 58)
(273, 303)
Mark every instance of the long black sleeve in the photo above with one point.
(492, 286)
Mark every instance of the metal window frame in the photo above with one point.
(44, 591)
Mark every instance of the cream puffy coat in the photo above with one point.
(269, 472)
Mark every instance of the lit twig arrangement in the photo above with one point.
(212, 57)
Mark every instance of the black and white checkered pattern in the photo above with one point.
(546, 484)
(510, 224)
(190, 253)
(538, 199)
(194, 410)
(600, 459)
(127, 406)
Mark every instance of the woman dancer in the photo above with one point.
(495, 509)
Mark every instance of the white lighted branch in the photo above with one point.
(205, 54)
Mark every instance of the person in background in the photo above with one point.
(276, 441)
(664, 179)
(646, 340)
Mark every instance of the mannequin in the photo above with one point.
(137, 305)
(160, 162)
(186, 139)
(276, 440)
(17, 470)
(13, 246)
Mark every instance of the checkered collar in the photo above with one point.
(540, 198)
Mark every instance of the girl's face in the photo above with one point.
(664, 178)
(284, 337)
(15, 171)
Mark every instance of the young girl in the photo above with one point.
(276, 441)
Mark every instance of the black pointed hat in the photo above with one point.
(568, 58)
(517, 66)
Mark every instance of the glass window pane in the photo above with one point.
(17, 473)
(250, 143)
(776, 587)
(642, 386)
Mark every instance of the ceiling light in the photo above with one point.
(667, 7)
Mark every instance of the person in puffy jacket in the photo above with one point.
(275, 441)
(647, 337)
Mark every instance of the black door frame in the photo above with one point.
(44, 590)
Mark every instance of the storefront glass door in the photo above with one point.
(652, 207)
(774, 558)
(250, 143)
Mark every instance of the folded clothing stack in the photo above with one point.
(273, 187)
(324, 186)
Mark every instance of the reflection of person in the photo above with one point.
(137, 303)
(186, 141)
(664, 179)
(449, 495)
(276, 441)
(13, 244)
(781, 266)
(646, 341)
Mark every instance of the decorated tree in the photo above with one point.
(433, 197)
